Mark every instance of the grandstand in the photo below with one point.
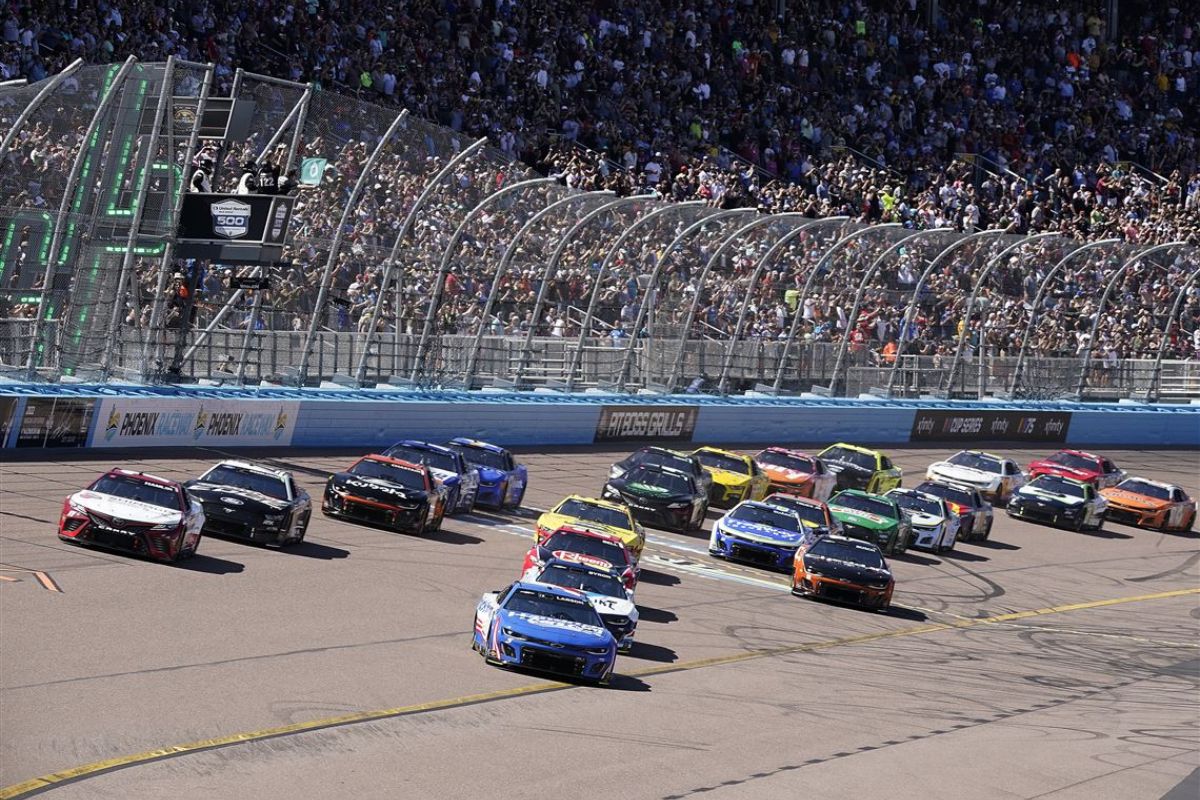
(944, 236)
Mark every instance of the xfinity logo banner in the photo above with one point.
(134, 422)
(231, 218)
(983, 426)
(634, 423)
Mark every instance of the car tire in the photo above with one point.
(987, 532)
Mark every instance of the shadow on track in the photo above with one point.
(211, 565)
(657, 578)
(313, 550)
(652, 652)
(650, 614)
(963, 555)
(1105, 534)
(627, 683)
(912, 557)
(452, 537)
(992, 544)
(911, 614)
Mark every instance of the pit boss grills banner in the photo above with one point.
(990, 426)
(637, 423)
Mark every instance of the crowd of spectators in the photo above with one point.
(1024, 117)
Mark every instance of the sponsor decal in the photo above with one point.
(56, 422)
(943, 425)
(233, 501)
(635, 423)
(231, 218)
(144, 422)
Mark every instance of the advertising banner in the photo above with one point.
(8, 413)
(638, 423)
(969, 425)
(56, 422)
(146, 422)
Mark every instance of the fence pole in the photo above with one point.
(52, 84)
(335, 247)
(585, 328)
(1155, 390)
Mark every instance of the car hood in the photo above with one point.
(376, 488)
(235, 496)
(727, 478)
(552, 522)
(845, 570)
(612, 606)
(122, 508)
(954, 472)
(762, 533)
(489, 474)
(644, 493)
(846, 466)
(595, 562)
(1033, 493)
(864, 519)
(1133, 499)
(785, 475)
(560, 631)
(1067, 472)
(925, 520)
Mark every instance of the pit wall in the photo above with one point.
(74, 416)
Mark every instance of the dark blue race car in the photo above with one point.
(759, 533)
(502, 480)
(448, 467)
(545, 628)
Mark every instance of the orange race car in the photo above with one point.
(1150, 504)
(794, 472)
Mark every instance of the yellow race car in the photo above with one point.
(735, 477)
(603, 515)
(861, 468)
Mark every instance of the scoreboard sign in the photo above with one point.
(234, 228)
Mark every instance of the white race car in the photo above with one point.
(994, 476)
(603, 590)
(934, 524)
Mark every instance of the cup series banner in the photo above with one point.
(939, 425)
(142, 422)
(640, 423)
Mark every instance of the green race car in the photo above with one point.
(872, 518)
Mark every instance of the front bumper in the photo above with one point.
(804, 489)
(875, 537)
(659, 516)
(138, 540)
(491, 495)
(1042, 512)
(241, 526)
(1135, 517)
(926, 538)
(546, 657)
(738, 548)
(841, 591)
(362, 509)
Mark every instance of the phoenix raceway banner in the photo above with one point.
(941, 425)
(143, 422)
(637, 423)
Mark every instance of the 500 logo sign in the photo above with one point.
(634, 423)
(147, 423)
(983, 426)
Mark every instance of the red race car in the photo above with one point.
(1080, 466)
(581, 545)
(134, 512)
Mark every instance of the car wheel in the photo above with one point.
(437, 522)
(1078, 525)
(987, 532)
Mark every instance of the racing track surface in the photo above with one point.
(735, 690)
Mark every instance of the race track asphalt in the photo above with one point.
(342, 668)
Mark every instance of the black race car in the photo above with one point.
(684, 462)
(389, 492)
(660, 496)
(251, 502)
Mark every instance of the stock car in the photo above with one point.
(975, 513)
(995, 476)
(872, 518)
(134, 512)
(544, 628)
(614, 518)
(861, 468)
(502, 479)
(844, 570)
(934, 524)
(735, 477)
(251, 502)
(580, 544)
(660, 496)
(1150, 504)
(448, 468)
(759, 533)
(604, 591)
(813, 513)
(386, 491)
(1077, 465)
(684, 462)
(1056, 500)
(795, 472)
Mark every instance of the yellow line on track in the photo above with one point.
(47, 782)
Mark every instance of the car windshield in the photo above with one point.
(1146, 488)
(585, 545)
(763, 515)
(673, 482)
(848, 456)
(585, 579)
(544, 604)
(951, 493)
(483, 457)
(722, 461)
(979, 461)
(1057, 485)
(662, 459)
(1074, 462)
(226, 475)
(130, 488)
(430, 458)
(393, 473)
(863, 554)
(914, 502)
(808, 512)
(591, 512)
(870, 505)
(769, 458)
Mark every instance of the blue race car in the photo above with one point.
(502, 480)
(448, 468)
(546, 628)
(760, 533)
